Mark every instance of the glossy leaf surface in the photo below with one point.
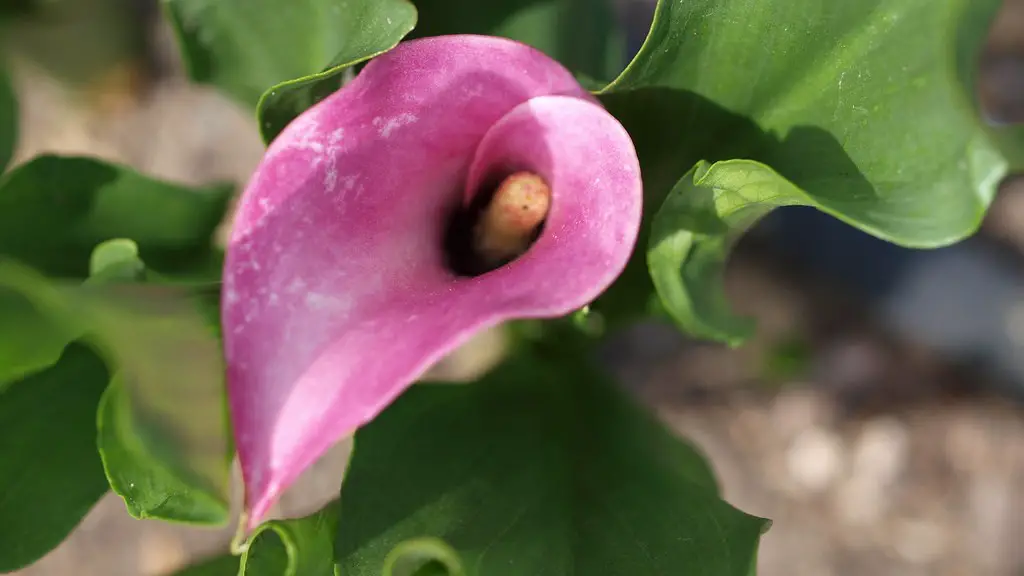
(284, 57)
(581, 34)
(867, 107)
(539, 468)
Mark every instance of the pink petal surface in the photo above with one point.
(336, 293)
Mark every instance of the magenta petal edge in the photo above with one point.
(337, 294)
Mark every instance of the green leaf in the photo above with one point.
(163, 423)
(581, 34)
(542, 467)
(51, 474)
(116, 260)
(54, 210)
(867, 107)
(297, 547)
(8, 120)
(149, 488)
(29, 340)
(285, 57)
(300, 547)
(693, 231)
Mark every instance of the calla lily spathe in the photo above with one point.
(337, 294)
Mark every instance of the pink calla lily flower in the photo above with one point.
(338, 287)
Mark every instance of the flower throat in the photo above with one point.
(498, 226)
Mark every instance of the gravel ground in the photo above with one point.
(912, 481)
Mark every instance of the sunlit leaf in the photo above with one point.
(867, 107)
(116, 260)
(285, 57)
(693, 231)
(581, 34)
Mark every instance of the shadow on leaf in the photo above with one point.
(674, 129)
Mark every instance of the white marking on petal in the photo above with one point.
(333, 147)
(307, 137)
(331, 178)
(327, 303)
(386, 127)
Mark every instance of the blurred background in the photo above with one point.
(877, 417)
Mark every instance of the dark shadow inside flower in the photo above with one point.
(484, 219)
(460, 254)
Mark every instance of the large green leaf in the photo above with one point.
(292, 54)
(55, 210)
(579, 33)
(867, 107)
(541, 467)
(8, 119)
(163, 423)
(51, 474)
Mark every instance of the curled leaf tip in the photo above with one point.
(344, 276)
